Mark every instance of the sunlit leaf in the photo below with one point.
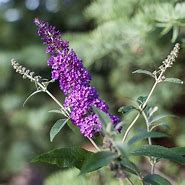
(174, 80)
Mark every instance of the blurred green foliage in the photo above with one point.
(72, 177)
(129, 35)
(24, 132)
(113, 37)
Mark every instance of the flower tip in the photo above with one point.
(177, 45)
(37, 21)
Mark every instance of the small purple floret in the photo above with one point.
(74, 80)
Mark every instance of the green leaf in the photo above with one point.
(104, 119)
(174, 80)
(158, 118)
(163, 125)
(123, 148)
(64, 157)
(141, 99)
(57, 127)
(129, 166)
(179, 150)
(145, 135)
(166, 30)
(175, 33)
(127, 109)
(158, 152)
(55, 111)
(73, 127)
(35, 92)
(97, 160)
(144, 72)
(155, 179)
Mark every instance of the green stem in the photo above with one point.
(151, 160)
(147, 125)
(44, 89)
(142, 106)
(94, 144)
(152, 167)
(61, 106)
(137, 116)
(129, 128)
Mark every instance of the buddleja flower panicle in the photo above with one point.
(26, 73)
(167, 63)
(40, 83)
(51, 37)
(74, 80)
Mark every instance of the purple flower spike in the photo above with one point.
(74, 81)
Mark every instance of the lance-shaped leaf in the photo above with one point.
(175, 33)
(158, 152)
(127, 109)
(104, 118)
(56, 128)
(73, 127)
(97, 160)
(34, 93)
(155, 125)
(158, 118)
(64, 157)
(129, 166)
(144, 72)
(155, 179)
(179, 150)
(141, 99)
(145, 135)
(174, 80)
(56, 111)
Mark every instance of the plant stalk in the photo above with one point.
(94, 144)
(151, 160)
(45, 90)
(142, 106)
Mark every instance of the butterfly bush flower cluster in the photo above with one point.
(74, 80)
